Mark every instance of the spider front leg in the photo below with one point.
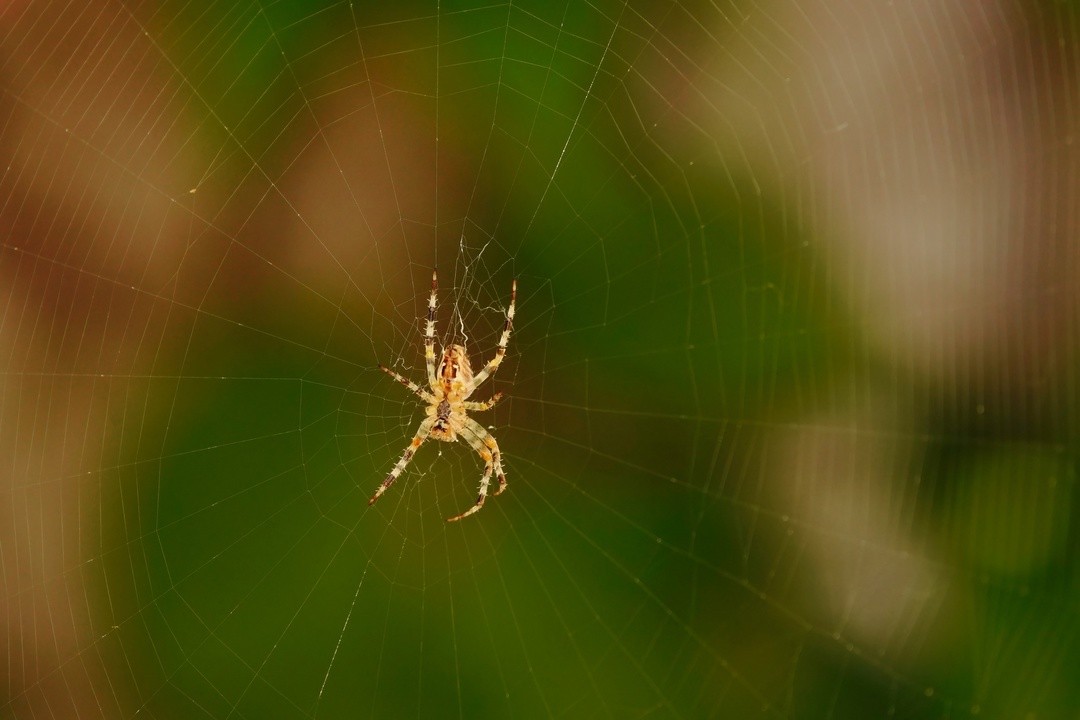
(481, 406)
(429, 334)
(417, 441)
(492, 366)
(484, 444)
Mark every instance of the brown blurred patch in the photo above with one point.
(92, 228)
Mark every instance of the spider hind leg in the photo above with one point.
(484, 482)
(484, 444)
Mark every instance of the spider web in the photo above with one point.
(791, 415)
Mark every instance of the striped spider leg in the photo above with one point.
(451, 383)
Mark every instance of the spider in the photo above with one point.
(452, 383)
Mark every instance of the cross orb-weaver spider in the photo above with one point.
(451, 383)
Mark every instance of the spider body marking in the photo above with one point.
(452, 382)
(451, 388)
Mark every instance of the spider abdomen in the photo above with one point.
(444, 429)
(443, 412)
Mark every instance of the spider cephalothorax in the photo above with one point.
(455, 370)
(452, 382)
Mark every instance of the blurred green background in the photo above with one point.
(792, 395)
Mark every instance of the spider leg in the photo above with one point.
(417, 441)
(429, 334)
(492, 366)
(484, 481)
(481, 406)
(408, 383)
(484, 444)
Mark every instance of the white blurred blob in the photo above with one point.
(845, 481)
(925, 150)
(919, 177)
